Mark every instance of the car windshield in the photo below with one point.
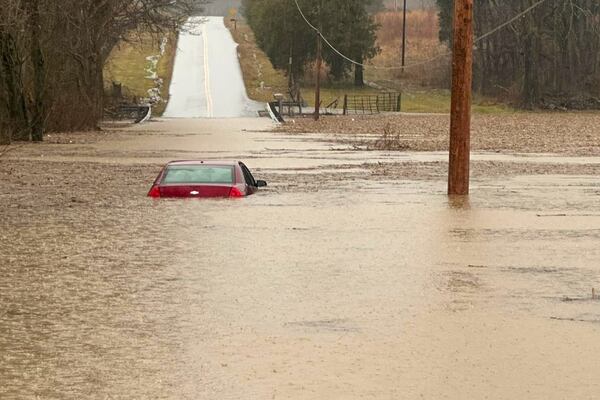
(198, 174)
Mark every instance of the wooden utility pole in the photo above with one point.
(460, 118)
(290, 32)
(404, 36)
(319, 62)
(291, 69)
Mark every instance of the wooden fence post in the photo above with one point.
(345, 104)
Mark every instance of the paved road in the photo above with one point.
(207, 80)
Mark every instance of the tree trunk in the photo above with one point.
(4, 133)
(359, 78)
(531, 91)
(98, 92)
(38, 115)
(16, 108)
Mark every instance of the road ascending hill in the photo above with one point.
(207, 80)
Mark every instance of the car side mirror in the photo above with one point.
(260, 183)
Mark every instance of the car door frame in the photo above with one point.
(250, 185)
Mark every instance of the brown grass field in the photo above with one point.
(261, 79)
(422, 45)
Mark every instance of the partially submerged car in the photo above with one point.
(198, 179)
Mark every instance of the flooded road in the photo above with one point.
(207, 78)
(331, 284)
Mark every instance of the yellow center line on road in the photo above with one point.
(209, 104)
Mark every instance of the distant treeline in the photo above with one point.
(283, 35)
(549, 57)
(410, 4)
(52, 55)
(218, 8)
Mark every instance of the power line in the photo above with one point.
(446, 53)
(324, 38)
(510, 21)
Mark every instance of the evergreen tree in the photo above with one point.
(282, 32)
(445, 14)
(353, 33)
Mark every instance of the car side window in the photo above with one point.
(248, 175)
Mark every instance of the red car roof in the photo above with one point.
(203, 162)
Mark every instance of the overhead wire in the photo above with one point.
(510, 21)
(446, 53)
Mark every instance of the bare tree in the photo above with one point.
(13, 109)
(52, 56)
(550, 55)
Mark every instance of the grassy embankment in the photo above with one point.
(128, 65)
(261, 79)
(414, 100)
(420, 85)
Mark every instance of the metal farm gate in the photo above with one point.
(372, 104)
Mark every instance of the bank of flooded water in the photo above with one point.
(348, 288)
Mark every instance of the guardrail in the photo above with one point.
(273, 112)
(139, 113)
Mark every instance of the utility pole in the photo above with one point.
(460, 114)
(404, 36)
(319, 62)
(291, 68)
(291, 59)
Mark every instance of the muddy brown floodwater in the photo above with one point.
(352, 277)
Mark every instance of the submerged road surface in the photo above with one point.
(207, 79)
